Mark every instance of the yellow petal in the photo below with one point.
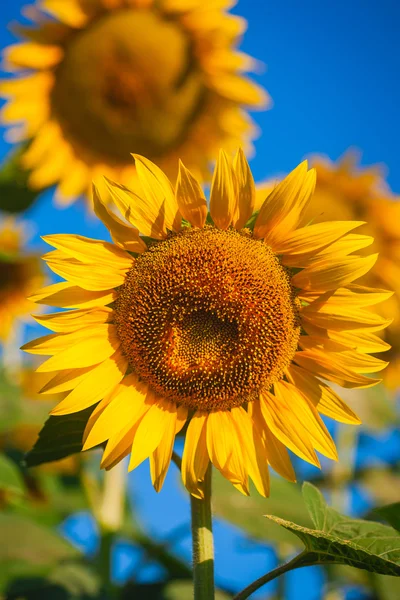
(88, 250)
(72, 320)
(329, 367)
(66, 295)
(360, 340)
(70, 12)
(314, 237)
(239, 89)
(286, 426)
(149, 219)
(161, 458)
(284, 206)
(66, 380)
(195, 457)
(123, 235)
(222, 195)
(338, 317)
(246, 189)
(32, 56)
(124, 406)
(190, 198)
(325, 400)
(158, 191)
(327, 274)
(253, 450)
(99, 344)
(91, 277)
(278, 456)
(353, 294)
(309, 417)
(98, 382)
(224, 448)
(158, 421)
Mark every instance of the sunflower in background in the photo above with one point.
(224, 321)
(20, 274)
(99, 79)
(347, 191)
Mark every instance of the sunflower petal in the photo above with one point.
(245, 187)
(329, 367)
(159, 419)
(124, 236)
(327, 275)
(222, 194)
(254, 451)
(98, 344)
(71, 320)
(190, 198)
(285, 425)
(88, 250)
(101, 380)
(195, 457)
(314, 237)
(158, 191)
(65, 295)
(325, 400)
(161, 457)
(278, 456)
(224, 448)
(92, 277)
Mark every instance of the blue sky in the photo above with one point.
(333, 73)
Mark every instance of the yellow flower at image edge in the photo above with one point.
(20, 275)
(228, 321)
(99, 79)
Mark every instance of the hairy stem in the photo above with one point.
(203, 545)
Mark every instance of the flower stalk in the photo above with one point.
(203, 544)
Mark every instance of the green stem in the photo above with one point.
(295, 563)
(203, 545)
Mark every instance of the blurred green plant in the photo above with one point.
(15, 194)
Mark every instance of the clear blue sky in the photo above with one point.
(333, 73)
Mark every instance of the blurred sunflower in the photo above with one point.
(347, 191)
(20, 274)
(104, 77)
(225, 321)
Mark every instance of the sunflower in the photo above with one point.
(20, 275)
(102, 77)
(348, 191)
(229, 323)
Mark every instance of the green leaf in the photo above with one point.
(10, 477)
(246, 512)
(338, 539)
(60, 437)
(15, 194)
(31, 543)
(391, 514)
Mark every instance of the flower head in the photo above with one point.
(230, 322)
(20, 275)
(102, 78)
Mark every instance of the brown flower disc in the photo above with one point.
(208, 318)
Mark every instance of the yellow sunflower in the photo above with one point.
(346, 191)
(101, 78)
(228, 322)
(20, 275)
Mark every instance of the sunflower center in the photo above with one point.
(208, 318)
(128, 83)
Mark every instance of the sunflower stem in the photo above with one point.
(203, 544)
